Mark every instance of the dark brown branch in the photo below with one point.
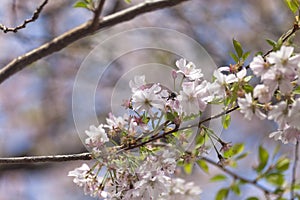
(294, 172)
(97, 13)
(34, 17)
(79, 32)
(38, 159)
(236, 176)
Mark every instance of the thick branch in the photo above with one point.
(79, 32)
(34, 17)
(38, 159)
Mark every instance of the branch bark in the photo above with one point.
(79, 32)
(39, 159)
(34, 17)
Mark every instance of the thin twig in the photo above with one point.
(38, 159)
(294, 172)
(97, 14)
(34, 17)
(80, 32)
(236, 176)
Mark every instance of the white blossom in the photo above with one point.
(287, 135)
(249, 108)
(188, 69)
(284, 61)
(294, 114)
(137, 83)
(145, 100)
(263, 93)
(279, 113)
(259, 66)
(192, 98)
(96, 136)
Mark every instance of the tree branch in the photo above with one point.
(97, 13)
(38, 159)
(34, 17)
(236, 176)
(296, 157)
(79, 32)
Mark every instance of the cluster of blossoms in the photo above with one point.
(138, 153)
(275, 98)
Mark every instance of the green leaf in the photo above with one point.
(200, 139)
(248, 88)
(238, 48)
(234, 57)
(222, 194)
(236, 189)
(275, 179)
(202, 164)
(246, 55)
(263, 157)
(241, 156)
(226, 119)
(234, 150)
(219, 177)
(127, 1)
(297, 90)
(188, 167)
(170, 116)
(80, 4)
(293, 5)
(252, 198)
(271, 42)
(282, 164)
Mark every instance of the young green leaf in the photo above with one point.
(222, 194)
(203, 165)
(236, 189)
(263, 157)
(297, 90)
(188, 167)
(218, 177)
(243, 155)
(234, 150)
(246, 55)
(271, 42)
(234, 57)
(275, 179)
(238, 48)
(80, 4)
(252, 198)
(293, 5)
(282, 164)
(226, 119)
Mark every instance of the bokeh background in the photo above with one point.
(36, 104)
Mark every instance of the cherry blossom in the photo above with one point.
(249, 108)
(145, 100)
(193, 98)
(137, 83)
(263, 93)
(188, 69)
(279, 113)
(96, 136)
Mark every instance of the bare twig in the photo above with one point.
(79, 32)
(236, 176)
(38, 159)
(34, 17)
(97, 13)
(296, 157)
